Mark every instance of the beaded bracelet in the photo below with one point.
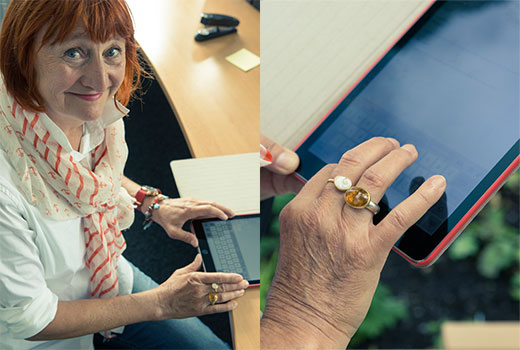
(154, 206)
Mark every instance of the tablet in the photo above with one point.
(230, 246)
(450, 86)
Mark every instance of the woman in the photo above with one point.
(68, 69)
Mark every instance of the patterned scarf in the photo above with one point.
(62, 189)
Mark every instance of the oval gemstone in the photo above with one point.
(357, 197)
(213, 297)
(342, 183)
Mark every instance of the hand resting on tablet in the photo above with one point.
(331, 254)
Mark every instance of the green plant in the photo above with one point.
(385, 312)
(269, 247)
(492, 241)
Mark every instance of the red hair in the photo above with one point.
(24, 19)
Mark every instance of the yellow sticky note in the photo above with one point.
(244, 59)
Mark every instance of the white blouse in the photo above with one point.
(42, 260)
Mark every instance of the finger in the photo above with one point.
(228, 287)
(177, 233)
(391, 228)
(213, 309)
(284, 162)
(230, 213)
(272, 184)
(381, 175)
(314, 187)
(207, 210)
(191, 267)
(218, 277)
(355, 161)
(227, 296)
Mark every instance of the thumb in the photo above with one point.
(194, 266)
(284, 162)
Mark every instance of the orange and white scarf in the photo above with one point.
(62, 189)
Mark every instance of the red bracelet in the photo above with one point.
(145, 191)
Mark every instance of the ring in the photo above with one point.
(342, 183)
(359, 198)
(215, 287)
(213, 298)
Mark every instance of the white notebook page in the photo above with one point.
(314, 51)
(233, 180)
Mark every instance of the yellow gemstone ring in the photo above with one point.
(359, 198)
(213, 298)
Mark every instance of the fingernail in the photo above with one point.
(287, 161)
(245, 283)
(266, 157)
(234, 305)
(438, 181)
(241, 292)
(394, 141)
(410, 148)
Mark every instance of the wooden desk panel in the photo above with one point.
(217, 104)
(245, 320)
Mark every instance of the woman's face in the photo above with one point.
(77, 77)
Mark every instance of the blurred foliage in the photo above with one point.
(434, 329)
(493, 238)
(385, 312)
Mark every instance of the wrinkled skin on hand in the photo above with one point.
(331, 255)
(174, 212)
(185, 293)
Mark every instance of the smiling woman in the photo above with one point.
(68, 70)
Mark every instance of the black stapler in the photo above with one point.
(216, 25)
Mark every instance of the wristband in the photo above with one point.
(145, 191)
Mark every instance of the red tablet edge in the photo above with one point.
(466, 219)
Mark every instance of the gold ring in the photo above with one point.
(215, 287)
(342, 183)
(213, 298)
(359, 198)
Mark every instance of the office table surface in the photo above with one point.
(217, 104)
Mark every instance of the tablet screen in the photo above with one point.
(234, 245)
(451, 88)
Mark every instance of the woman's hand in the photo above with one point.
(278, 178)
(174, 212)
(331, 255)
(186, 292)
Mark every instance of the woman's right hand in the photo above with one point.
(331, 255)
(186, 292)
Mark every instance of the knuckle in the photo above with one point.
(374, 179)
(351, 158)
(423, 198)
(398, 219)
(330, 167)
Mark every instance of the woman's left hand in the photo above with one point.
(174, 212)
